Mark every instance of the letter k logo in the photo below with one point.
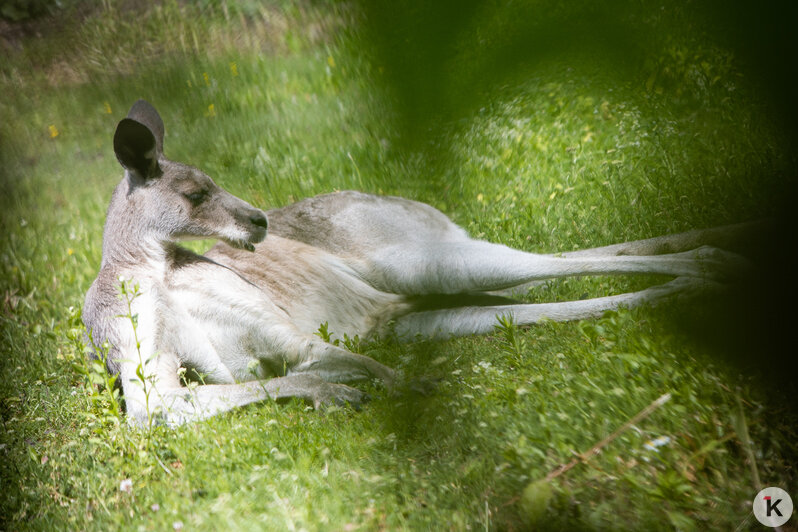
(771, 506)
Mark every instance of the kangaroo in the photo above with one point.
(244, 315)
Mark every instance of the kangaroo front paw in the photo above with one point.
(339, 395)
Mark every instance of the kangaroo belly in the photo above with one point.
(313, 286)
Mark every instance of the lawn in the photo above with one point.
(574, 128)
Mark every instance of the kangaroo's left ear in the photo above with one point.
(136, 149)
(144, 113)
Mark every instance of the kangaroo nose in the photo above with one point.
(259, 220)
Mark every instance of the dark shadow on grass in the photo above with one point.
(751, 326)
(442, 60)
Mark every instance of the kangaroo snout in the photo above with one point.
(257, 227)
(259, 220)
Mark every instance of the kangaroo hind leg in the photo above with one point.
(453, 267)
(464, 321)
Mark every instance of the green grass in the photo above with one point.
(559, 158)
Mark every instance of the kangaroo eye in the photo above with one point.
(196, 197)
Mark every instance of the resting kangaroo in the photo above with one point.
(244, 314)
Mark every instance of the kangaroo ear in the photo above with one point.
(136, 148)
(144, 113)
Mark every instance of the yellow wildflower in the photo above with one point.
(234, 68)
(53, 131)
(107, 107)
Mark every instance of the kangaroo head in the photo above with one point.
(174, 201)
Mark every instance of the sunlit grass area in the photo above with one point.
(282, 101)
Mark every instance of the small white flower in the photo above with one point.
(652, 445)
(177, 525)
(126, 486)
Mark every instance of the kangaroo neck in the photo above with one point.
(129, 243)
